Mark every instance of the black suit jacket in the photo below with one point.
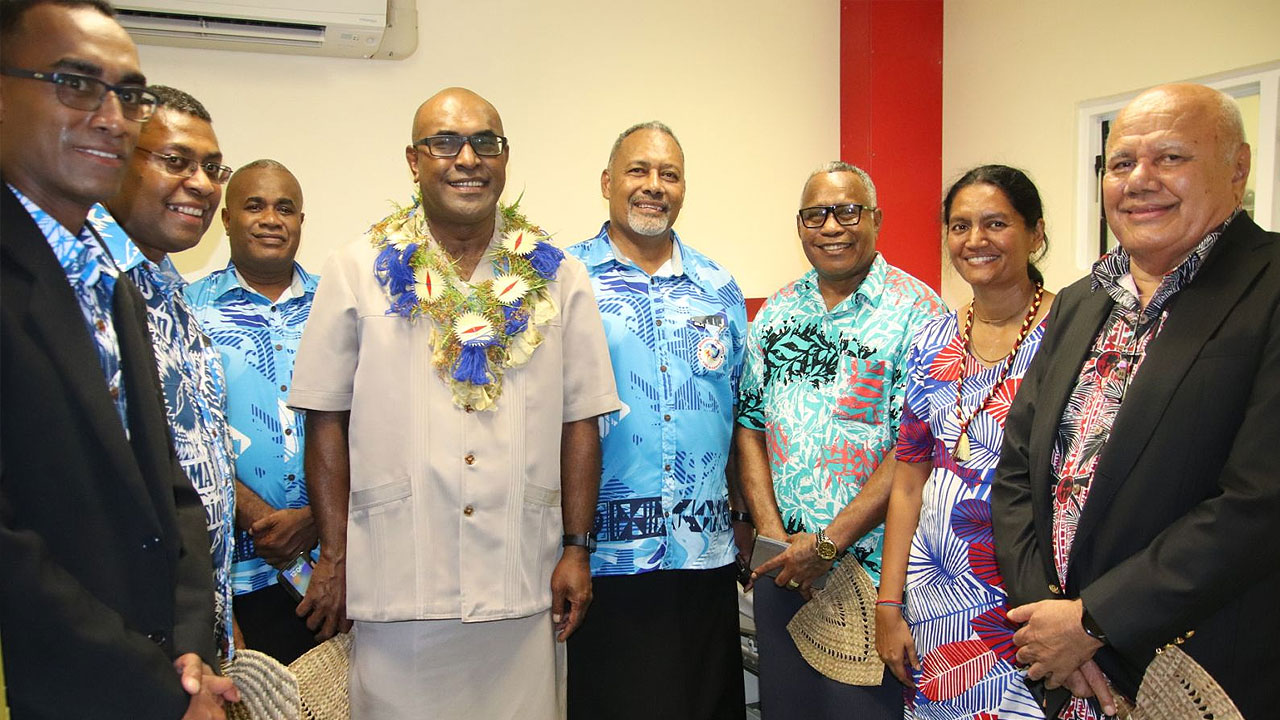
(1179, 541)
(105, 575)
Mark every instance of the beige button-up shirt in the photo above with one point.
(453, 514)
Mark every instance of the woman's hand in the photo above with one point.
(895, 645)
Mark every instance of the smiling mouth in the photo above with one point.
(980, 259)
(650, 207)
(835, 247)
(195, 212)
(468, 184)
(104, 154)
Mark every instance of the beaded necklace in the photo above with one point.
(961, 450)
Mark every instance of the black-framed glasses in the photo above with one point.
(185, 167)
(81, 92)
(447, 146)
(848, 214)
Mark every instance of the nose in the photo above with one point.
(652, 183)
(109, 117)
(466, 157)
(199, 183)
(830, 226)
(271, 219)
(1141, 178)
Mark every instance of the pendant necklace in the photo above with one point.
(961, 450)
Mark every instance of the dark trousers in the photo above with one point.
(790, 689)
(662, 644)
(269, 624)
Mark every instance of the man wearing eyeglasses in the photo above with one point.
(819, 406)
(453, 369)
(106, 601)
(172, 187)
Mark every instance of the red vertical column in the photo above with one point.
(891, 121)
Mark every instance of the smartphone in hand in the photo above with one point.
(297, 576)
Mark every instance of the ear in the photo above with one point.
(1240, 165)
(878, 217)
(302, 217)
(226, 220)
(604, 183)
(411, 156)
(1037, 239)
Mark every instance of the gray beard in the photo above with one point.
(647, 225)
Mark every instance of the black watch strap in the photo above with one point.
(581, 540)
(740, 516)
(1091, 626)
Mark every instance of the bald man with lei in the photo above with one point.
(452, 370)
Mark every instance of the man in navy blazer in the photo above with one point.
(1138, 498)
(105, 577)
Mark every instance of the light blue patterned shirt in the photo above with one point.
(676, 339)
(258, 340)
(826, 388)
(194, 397)
(93, 280)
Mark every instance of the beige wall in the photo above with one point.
(749, 87)
(1014, 72)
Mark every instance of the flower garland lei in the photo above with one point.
(480, 329)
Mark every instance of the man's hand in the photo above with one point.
(325, 604)
(283, 535)
(1089, 681)
(799, 564)
(570, 591)
(208, 691)
(1052, 641)
(894, 644)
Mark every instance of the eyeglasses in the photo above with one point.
(185, 167)
(848, 215)
(81, 92)
(447, 146)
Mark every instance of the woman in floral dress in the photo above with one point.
(947, 637)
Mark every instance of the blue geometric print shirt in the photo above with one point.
(677, 341)
(93, 279)
(194, 396)
(258, 340)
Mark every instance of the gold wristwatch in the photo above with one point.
(827, 549)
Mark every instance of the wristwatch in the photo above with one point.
(1091, 626)
(581, 540)
(827, 549)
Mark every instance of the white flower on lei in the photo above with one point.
(472, 327)
(520, 242)
(428, 284)
(509, 288)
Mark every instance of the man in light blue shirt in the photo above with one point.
(663, 568)
(254, 310)
(170, 191)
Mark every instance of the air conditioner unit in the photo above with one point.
(386, 29)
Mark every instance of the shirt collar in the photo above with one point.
(81, 257)
(229, 280)
(1112, 272)
(599, 251)
(868, 291)
(128, 256)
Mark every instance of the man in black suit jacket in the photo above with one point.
(1137, 502)
(105, 580)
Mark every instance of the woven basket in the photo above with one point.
(835, 631)
(1175, 687)
(322, 679)
(268, 691)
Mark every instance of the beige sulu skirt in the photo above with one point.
(451, 670)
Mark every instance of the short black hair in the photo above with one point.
(1021, 194)
(176, 99)
(11, 12)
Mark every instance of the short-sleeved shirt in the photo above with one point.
(826, 388)
(195, 392)
(676, 339)
(453, 514)
(258, 339)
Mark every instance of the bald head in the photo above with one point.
(449, 102)
(1176, 166)
(1211, 108)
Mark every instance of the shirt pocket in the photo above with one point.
(860, 390)
(706, 347)
(541, 532)
(379, 533)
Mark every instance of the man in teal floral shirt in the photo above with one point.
(819, 405)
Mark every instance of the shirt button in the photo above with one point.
(151, 543)
(288, 431)
(468, 511)
(100, 325)
(284, 388)
(115, 393)
(667, 418)
(470, 459)
(157, 637)
(658, 323)
(273, 308)
(1055, 589)
(291, 476)
(666, 468)
(662, 368)
(279, 347)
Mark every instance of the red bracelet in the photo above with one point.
(891, 603)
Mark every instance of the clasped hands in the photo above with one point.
(1055, 648)
(208, 691)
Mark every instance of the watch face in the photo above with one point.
(827, 550)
